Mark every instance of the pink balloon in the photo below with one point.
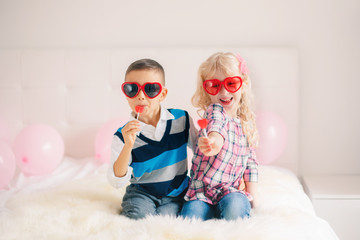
(273, 137)
(104, 138)
(7, 164)
(38, 149)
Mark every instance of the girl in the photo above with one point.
(225, 158)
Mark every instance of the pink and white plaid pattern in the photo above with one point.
(214, 177)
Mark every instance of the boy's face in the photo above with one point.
(151, 106)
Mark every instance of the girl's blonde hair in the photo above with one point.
(228, 63)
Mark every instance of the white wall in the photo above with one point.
(326, 33)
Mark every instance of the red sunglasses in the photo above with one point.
(132, 89)
(231, 84)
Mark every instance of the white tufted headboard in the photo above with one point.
(78, 90)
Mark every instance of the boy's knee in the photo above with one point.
(137, 205)
(133, 214)
(136, 213)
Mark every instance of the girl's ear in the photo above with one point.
(163, 94)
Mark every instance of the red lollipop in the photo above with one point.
(139, 109)
(203, 124)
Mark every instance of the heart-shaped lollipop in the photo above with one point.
(203, 124)
(139, 109)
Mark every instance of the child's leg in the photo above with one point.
(170, 205)
(137, 204)
(233, 206)
(197, 209)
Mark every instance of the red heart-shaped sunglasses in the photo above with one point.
(231, 84)
(132, 89)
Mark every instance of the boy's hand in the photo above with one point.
(129, 132)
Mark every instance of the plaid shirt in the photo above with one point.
(214, 177)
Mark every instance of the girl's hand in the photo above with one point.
(253, 204)
(211, 145)
(205, 145)
(129, 132)
(252, 188)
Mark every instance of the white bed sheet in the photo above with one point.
(76, 202)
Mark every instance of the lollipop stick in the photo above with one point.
(139, 109)
(204, 133)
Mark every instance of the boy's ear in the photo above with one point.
(163, 94)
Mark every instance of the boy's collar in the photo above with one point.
(165, 114)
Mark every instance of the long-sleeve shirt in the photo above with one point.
(212, 177)
(155, 137)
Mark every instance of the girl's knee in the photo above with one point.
(233, 214)
(197, 209)
(234, 206)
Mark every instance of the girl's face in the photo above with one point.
(151, 106)
(230, 101)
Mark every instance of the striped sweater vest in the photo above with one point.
(160, 167)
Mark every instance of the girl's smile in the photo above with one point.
(226, 101)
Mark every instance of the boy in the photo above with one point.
(154, 160)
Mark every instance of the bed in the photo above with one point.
(78, 90)
(84, 206)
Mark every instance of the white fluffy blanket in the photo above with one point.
(85, 206)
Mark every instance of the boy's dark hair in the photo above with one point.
(146, 64)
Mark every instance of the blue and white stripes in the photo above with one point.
(160, 167)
